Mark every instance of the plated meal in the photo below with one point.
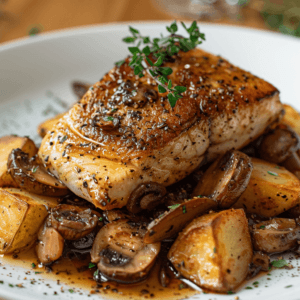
(176, 163)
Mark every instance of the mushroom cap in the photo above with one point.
(121, 254)
(279, 144)
(50, 246)
(226, 179)
(276, 235)
(146, 196)
(73, 222)
(30, 174)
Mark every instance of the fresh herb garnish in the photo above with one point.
(230, 292)
(109, 118)
(33, 265)
(100, 219)
(38, 272)
(96, 273)
(173, 206)
(91, 265)
(248, 288)
(262, 227)
(11, 285)
(215, 250)
(272, 173)
(63, 139)
(157, 51)
(1, 281)
(255, 283)
(184, 209)
(200, 196)
(108, 200)
(71, 291)
(279, 263)
(288, 286)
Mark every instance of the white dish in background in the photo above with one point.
(35, 77)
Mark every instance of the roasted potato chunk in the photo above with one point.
(22, 214)
(7, 144)
(271, 190)
(48, 125)
(214, 251)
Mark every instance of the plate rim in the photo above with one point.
(71, 31)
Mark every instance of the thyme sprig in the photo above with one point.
(161, 50)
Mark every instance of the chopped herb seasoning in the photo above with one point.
(249, 288)
(230, 292)
(11, 285)
(181, 286)
(71, 291)
(255, 283)
(108, 200)
(215, 250)
(288, 286)
(91, 265)
(279, 263)
(64, 139)
(272, 173)
(184, 209)
(1, 281)
(262, 227)
(277, 167)
(34, 169)
(100, 219)
(38, 272)
(109, 118)
(33, 265)
(173, 206)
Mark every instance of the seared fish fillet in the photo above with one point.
(123, 133)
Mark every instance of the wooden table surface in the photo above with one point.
(17, 17)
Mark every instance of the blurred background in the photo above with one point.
(19, 18)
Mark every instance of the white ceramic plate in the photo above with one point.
(35, 77)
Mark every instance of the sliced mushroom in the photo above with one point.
(114, 215)
(172, 221)
(146, 196)
(31, 175)
(73, 222)
(293, 164)
(276, 235)
(226, 179)
(279, 144)
(261, 260)
(80, 88)
(50, 246)
(294, 212)
(121, 254)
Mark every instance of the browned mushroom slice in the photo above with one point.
(293, 164)
(226, 179)
(279, 144)
(50, 246)
(80, 88)
(276, 235)
(261, 260)
(31, 175)
(73, 222)
(114, 215)
(172, 221)
(121, 254)
(146, 196)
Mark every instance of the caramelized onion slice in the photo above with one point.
(279, 144)
(226, 179)
(121, 254)
(172, 221)
(31, 175)
(50, 246)
(73, 222)
(276, 235)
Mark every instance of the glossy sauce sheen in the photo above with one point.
(66, 271)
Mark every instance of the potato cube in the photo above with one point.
(22, 214)
(214, 251)
(271, 190)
